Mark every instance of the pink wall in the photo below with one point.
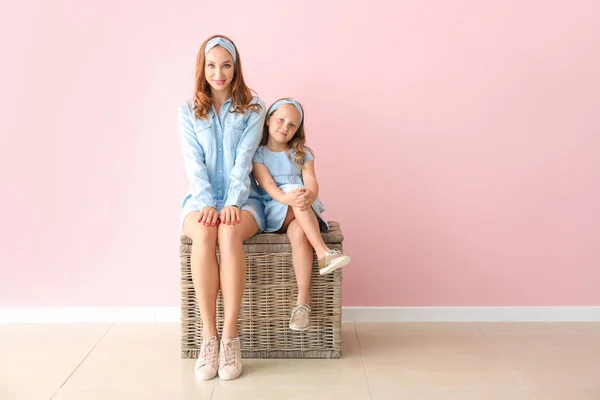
(457, 142)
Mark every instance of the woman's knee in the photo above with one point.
(200, 234)
(228, 235)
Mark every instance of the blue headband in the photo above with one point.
(224, 43)
(293, 102)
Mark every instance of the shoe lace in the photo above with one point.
(208, 353)
(333, 253)
(303, 310)
(228, 356)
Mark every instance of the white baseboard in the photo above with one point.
(473, 314)
(355, 314)
(88, 314)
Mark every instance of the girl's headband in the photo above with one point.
(293, 102)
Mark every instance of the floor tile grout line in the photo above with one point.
(82, 361)
(212, 392)
(505, 362)
(362, 360)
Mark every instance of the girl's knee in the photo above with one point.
(295, 232)
(288, 187)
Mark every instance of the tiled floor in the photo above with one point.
(424, 361)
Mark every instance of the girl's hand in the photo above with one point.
(292, 198)
(307, 198)
(208, 216)
(230, 215)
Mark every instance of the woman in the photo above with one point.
(220, 131)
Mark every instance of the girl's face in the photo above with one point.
(283, 123)
(219, 68)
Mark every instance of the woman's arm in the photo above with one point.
(194, 160)
(239, 184)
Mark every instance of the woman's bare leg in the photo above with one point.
(205, 270)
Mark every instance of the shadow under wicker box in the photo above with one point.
(269, 297)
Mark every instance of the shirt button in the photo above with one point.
(219, 170)
(219, 149)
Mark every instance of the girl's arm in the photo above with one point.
(265, 180)
(309, 178)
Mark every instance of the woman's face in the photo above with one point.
(219, 69)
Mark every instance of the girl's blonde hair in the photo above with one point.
(241, 96)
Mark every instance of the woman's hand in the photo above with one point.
(208, 216)
(230, 215)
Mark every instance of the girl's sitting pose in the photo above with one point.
(285, 172)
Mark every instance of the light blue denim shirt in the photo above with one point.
(218, 153)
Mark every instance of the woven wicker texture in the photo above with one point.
(269, 296)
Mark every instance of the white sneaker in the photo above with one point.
(206, 364)
(230, 359)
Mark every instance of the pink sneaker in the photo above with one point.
(332, 260)
(230, 359)
(300, 319)
(206, 364)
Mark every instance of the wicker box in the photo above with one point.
(269, 297)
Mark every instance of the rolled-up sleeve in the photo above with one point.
(239, 186)
(194, 160)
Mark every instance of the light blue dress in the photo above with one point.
(287, 176)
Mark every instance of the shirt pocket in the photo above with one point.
(235, 129)
(203, 130)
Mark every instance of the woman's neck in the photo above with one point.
(219, 98)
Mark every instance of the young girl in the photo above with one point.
(220, 131)
(285, 171)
